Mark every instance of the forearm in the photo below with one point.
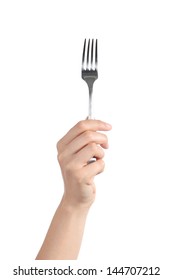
(63, 239)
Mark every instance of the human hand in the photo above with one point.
(75, 149)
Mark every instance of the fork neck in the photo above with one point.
(90, 83)
(90, 87)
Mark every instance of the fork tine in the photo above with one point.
(92, 46)
(88, 51)
(96, 54)
(83, 56)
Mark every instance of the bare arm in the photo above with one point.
(75, 149)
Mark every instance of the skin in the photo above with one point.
(75, 149)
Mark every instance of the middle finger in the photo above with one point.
(85, 138)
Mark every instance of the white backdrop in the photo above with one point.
(42, 96)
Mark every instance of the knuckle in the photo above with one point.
(58, 144)
(60, 158)
(92, 147)
(81, 125)
(102, 153)
(88, 135)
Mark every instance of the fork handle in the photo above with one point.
(91, 159)
(89, 118)
(90, 87)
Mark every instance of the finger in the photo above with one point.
(80, 127)
(80, 153)
(94, 168)
(89, 151)
(86, 138)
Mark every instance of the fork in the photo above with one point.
(89, 69)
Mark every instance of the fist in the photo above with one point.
(75, 150)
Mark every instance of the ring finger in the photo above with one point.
(89, 151)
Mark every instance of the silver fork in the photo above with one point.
(89, 69)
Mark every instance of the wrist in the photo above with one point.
(71, 207)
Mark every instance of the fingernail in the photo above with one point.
(108, 125)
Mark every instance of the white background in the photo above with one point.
(42, 96)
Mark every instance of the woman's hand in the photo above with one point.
(75, 149)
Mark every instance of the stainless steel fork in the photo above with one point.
(89, 68)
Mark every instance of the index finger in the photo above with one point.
(80, 127)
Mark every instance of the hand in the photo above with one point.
(75, 149)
